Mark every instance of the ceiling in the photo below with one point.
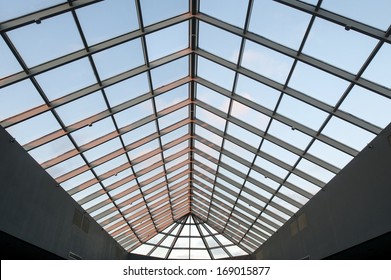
(188, 131)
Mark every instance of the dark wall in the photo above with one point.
(34, 210)
(353, 208)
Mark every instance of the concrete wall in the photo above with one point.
(35, 210)
(354, 207)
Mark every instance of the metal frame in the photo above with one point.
(173, 190)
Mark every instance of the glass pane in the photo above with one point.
(134, 113)
(315, 170)
(139, 133)
(370, 12)
(213, 98)
(170, 72)
(206, 134)
(301, 112)
(171, 97)
(170, 9)
(289, 134)
(329, 154)
(317, 84)
(279, 152)
(210, 118)
(119, 59)
(224, 44)
(34, 128)
(244, 135)
(52, 149)
(333, 44)
(347, 133)
(127, 90)
(66, 79)
(18, 98)
(215, 73)
(368, 106)
(279, 23)
(167, 41)
(266, 62)
(173, 117)
(107, 19)
(379, 70)
(234, 12)
(89, 133)
(7, 58)
(65, 166)
(249, 116)
(85, 107)
(57, 36)
(257, 92)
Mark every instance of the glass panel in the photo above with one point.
(134, 113)
(85, 107)
(244, 135)
(167, 41)
(57, 36)
(210, 118)
(127, 90)
(213, 98)
(89, 133)
(19, 8)
(170, 72)
(179, 254)
(333, 44)
(279, 23)
(199, 255)
(143, 249)
(119, 59)
(170, 9)
(329, 154)
(279, 153)
(171, 97)
(159, 252)
(174, 135)
(301, 112)
(250, 116)
(303, 184)
(173, 117)
(219, 253)
(65, 166)
(368, 106)
(373, 13)
(206, 134)
(7, 58)
(18, 98)
(66, 79)
(215, 73)
(347, 133)
(266, 62)
(110, 165)
(139, 133)
(234, 12)
(103, 149)
(34, 128)
(239, 151)
(317, 84)
(289, 134)
(271, 167)
(224, 44)
(99, 25)
(257, 92)
(142, 150)
(379, 70)
(315, 170)
(52, 149)
(264, 179)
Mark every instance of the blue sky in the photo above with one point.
(251, 114)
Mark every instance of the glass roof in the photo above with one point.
(188, 131)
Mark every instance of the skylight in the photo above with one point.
(188, 131)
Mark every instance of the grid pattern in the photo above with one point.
(226, 121)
